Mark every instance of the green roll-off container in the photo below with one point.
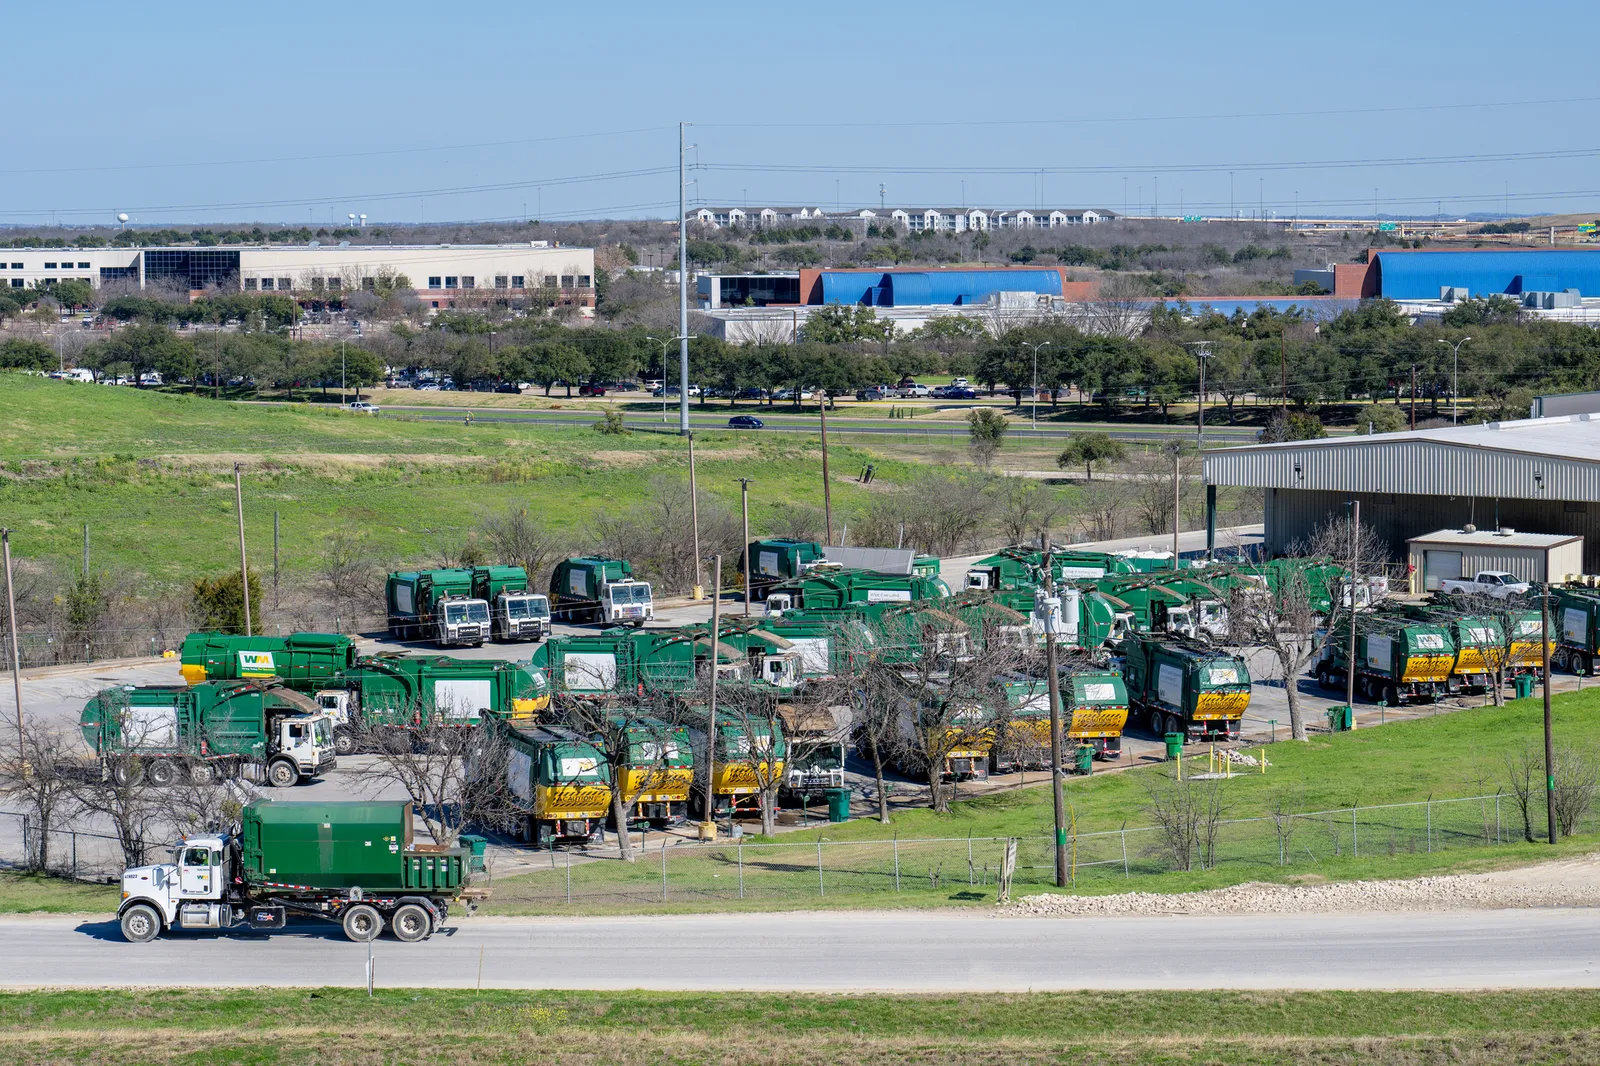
(342, 845)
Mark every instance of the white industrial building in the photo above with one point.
(1532, 475)
(442, 274)
(910, 219)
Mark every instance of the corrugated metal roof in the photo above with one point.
(1418, 275)
(1488, 538)
(1533, 458)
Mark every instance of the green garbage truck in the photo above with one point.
(1575, 619)
(1022, 566)
(436, 605)
(207, 732)
(1180, 686)
(1094, 711)
(560, 782)
(778, 560)
(600, 590)
(829, 588)
(405, 691)
(1398, 660)
(304, 660)
(515, 612)
(356, 864)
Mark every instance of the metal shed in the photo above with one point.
(1419, 275)
(1540, 475)
(1456, 553)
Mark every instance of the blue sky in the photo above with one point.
(299, 112)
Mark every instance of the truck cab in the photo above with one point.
(627, 601)
(303, 748)
(185, 894)
(779, 602)
(461, 620)
(521, 616)
(340, 706)
(983, 578)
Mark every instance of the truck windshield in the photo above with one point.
(630, 593)
(530, 607)
(827, 757)
(324, 731)
(466, 612)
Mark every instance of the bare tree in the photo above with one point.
(521, 540)
(1286, 622)
(444, 765)
(1188, 819)
(42, 783)
(644, 744)
(656, 533)
(1525, 778)
(1101, 506)
(1576, 776)
(348, 573)
(139, 812)
(1025, 507)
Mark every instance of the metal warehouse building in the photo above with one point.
(1536, 475)
(1425, 274)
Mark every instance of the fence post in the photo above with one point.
(741, 869)
(1430, 825)
(821, 891)
(663, 870)
(969, 860)
(1497, 817)
(1124, 854)
(27, 852)
(74, 854)
(1355, 846)
(569, 875)
(897, 862)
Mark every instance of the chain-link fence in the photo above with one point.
(679, 872)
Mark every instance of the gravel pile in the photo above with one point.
(1573, 883)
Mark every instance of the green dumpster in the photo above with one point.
(1522, 685)
(1341, 719)
(477, 845)
(838, 804)
(1174, 745)
(1083, 759)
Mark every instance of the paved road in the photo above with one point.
(837, 952)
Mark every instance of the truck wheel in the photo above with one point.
(1391, 695)
(140, 924)
(362, 923)
(203, 773)
(411, 923)
(1175, 726)
(161, 773)
(344, 742)
(127, 772)
(283, 774)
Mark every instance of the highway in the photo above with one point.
(865, 951)
(782, 423)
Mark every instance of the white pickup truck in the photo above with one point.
(1496, 583)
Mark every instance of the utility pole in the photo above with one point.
(1177, 482)
(1052, 615)
(1549, 735)
(341, 370)
(1355, 558)
(1035, 348)
(16, 652)
(275, 532)
(699, 592)
(1202, 351)
(827, 495)
(244, 569)
(1283, 365)
(1413, 395)
(683, 303)
(744, 507)
(710, 826)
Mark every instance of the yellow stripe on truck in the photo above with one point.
(571, 801)
(1427, 668)
(1211, 706)
(1096, 722)
(529, 708)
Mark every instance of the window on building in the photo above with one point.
(583, 281)
(370, 284)
(49, 266)
(501, 281)
(566, 281)
(266, 284)
(249, 284)
(16, 266)
(335, 284)
(434, 282)
(16, 283)
(316, 284)
(517, 281)
(450, 281)
(434, 304)
(83, 266)
(285, 284)
(550, 281)
(468, 281)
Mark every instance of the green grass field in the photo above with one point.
(1452, 755)
(25, 893)
(152, 476)
(400, 1027)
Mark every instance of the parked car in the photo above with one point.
(745, 422)
(361, 407)
(954, 393)
(872, 394)
(960, 383)
(591, 390)
(911, 390)
(752, 394)
(507, 386)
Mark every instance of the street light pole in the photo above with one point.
(16, 652)
(1202, 351)
(744, 507)
(1455, 373)
(664, 373)
(683, 299)
(699, 592)
(1035, 347)
(244, 568)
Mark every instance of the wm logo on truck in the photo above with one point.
(256, 664)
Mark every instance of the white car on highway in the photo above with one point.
(361, 407)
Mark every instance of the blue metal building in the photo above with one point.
(922, 288)
(1418, 275)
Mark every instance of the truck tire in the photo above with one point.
(140, 924)
(1391, 694)
(410, 923)
(281, 773)
(344, 742)
(203, 773)
(161, 772)
(127, 772)
(362, 923)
